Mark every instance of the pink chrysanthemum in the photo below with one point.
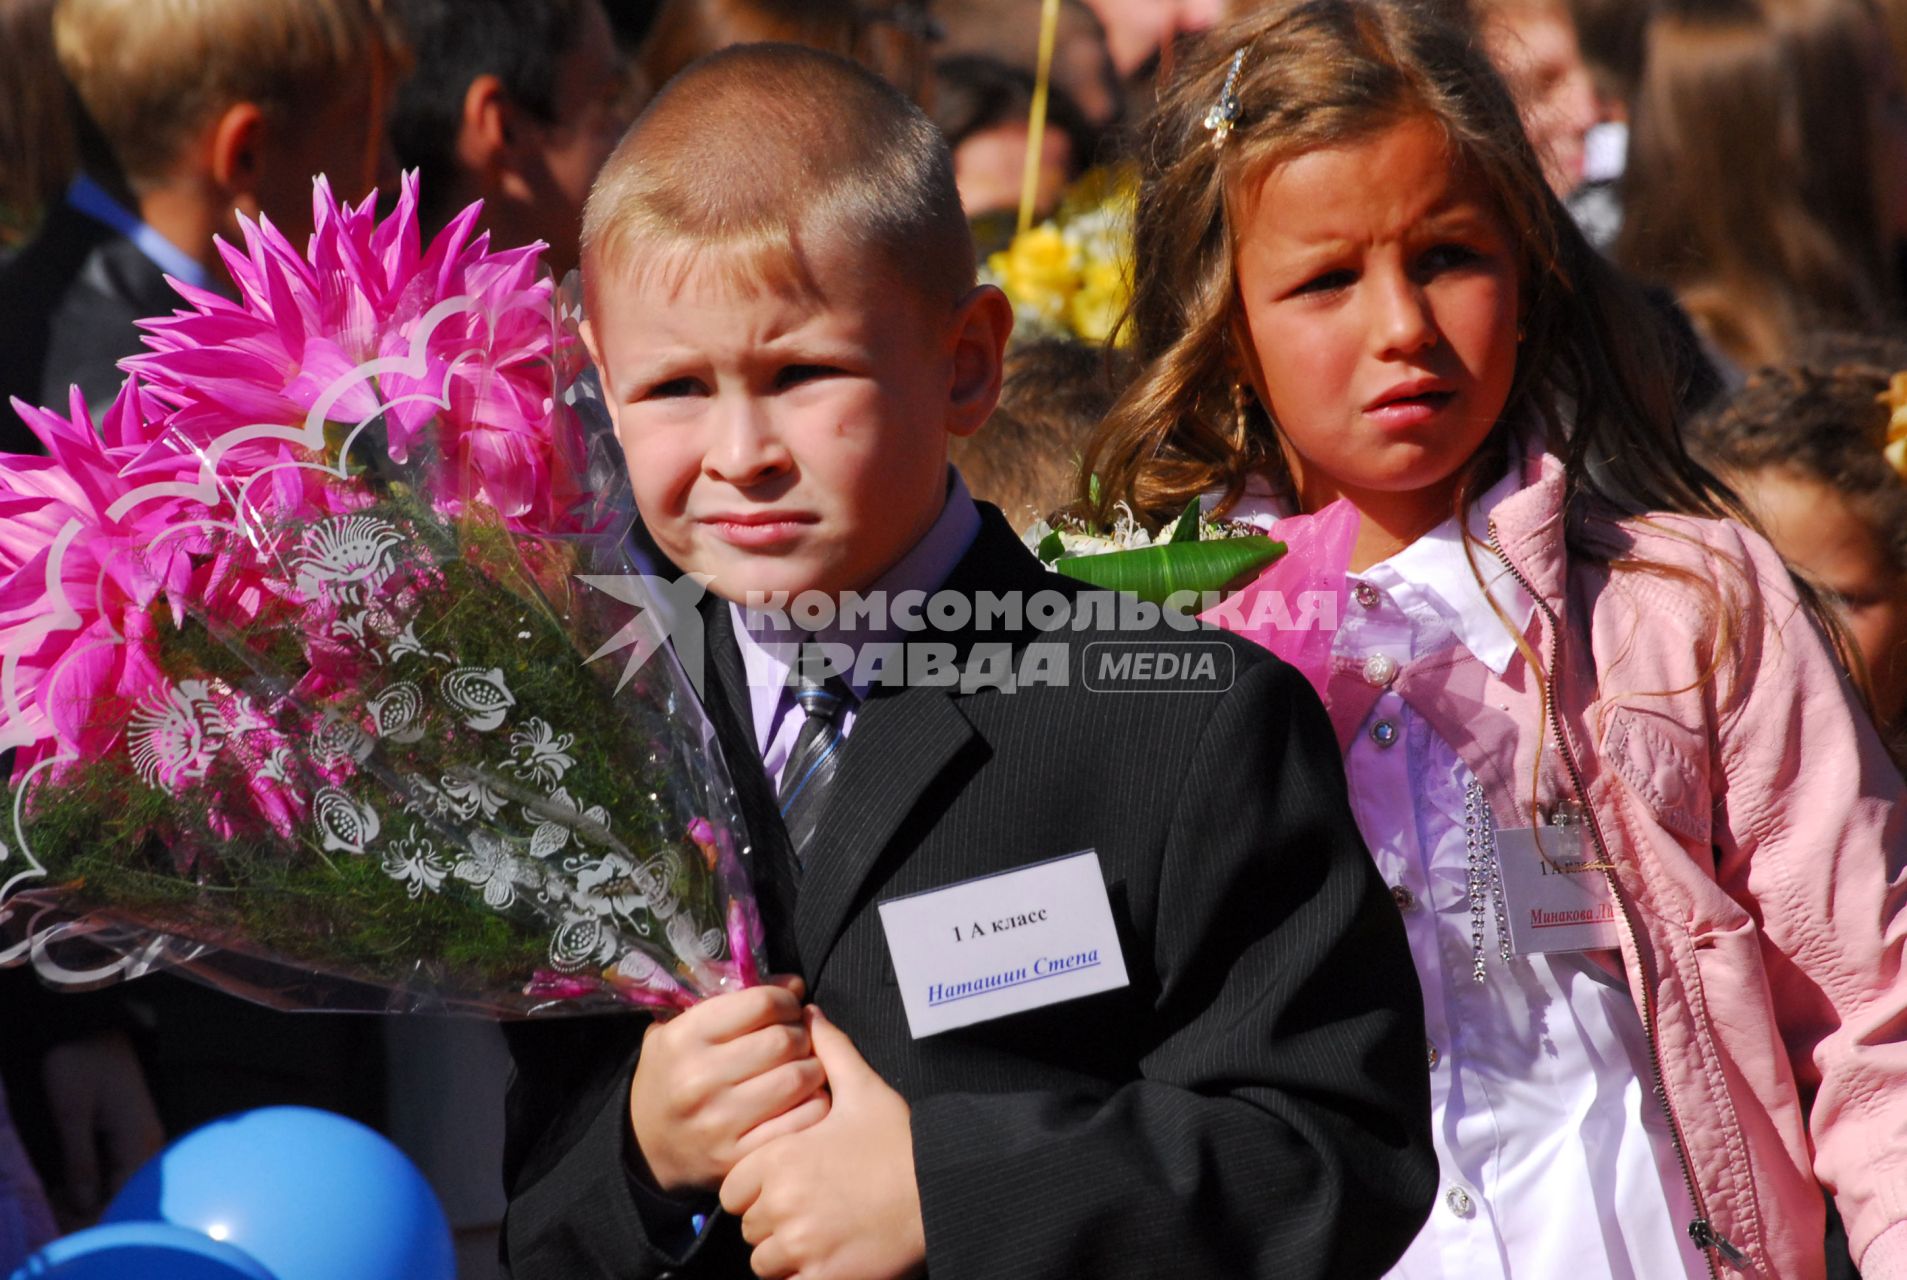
(79, 576)
(450, 349)
(233, 420)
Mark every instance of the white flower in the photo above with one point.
(543, 753)
(406, 643)
(492, 865)
(397, 713)
(467, 798)
(1126, 534)
(609, 886)
(173, 738)
(338, 741)
(423, 799)
(553, 834)
(482, 696)
(343, 822)
(345, 558)
(696, 950)
(351, 626)
(278, 767)
(416, 865)
(581, 941)
(241, 713)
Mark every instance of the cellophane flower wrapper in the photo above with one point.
(328, 678)
(1318, 549)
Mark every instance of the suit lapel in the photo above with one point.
(900, 745)
(730, 708)
(904, 740)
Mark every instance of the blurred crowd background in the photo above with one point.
(1747, 159)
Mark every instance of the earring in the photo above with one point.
(1240, 424)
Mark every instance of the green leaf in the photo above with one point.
(1092, 490)
(1186, 528)
(1155, 573)
(1050, 548)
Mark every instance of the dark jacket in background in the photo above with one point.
(68, 301)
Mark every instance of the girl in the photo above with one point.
(1806, 447)
(1646, 843)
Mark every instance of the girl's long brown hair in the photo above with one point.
(1750, 186)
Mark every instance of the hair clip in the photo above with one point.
(1225, 112)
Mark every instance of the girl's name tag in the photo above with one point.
(1555, 896)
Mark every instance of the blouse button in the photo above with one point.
(1403, 897)
(1458, 1201)
(1379, 670)
(1384, 733)
(1365, 594)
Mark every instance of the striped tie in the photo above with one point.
(810, 770)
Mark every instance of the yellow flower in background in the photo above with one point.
(1038, 270)
(1896, 443)
(1895, 397)
(1071, 275)
(1103, 290)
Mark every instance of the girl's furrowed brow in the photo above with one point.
(1458, 210)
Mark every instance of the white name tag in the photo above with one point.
(1555, 897)
(1004, 943)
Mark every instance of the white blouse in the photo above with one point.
(1555, 1160)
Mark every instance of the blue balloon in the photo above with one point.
(309, 1194)
(140, 1251)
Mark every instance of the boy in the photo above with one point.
(782, 308)
(193, 112)
(513, 102)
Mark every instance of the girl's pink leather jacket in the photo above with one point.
(1758, 832)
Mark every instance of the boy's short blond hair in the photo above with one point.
(150, 73)
(764, 153)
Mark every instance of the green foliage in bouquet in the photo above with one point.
(466, 754)
(113, 842)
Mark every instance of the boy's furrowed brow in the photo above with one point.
(633, 373)
(806, 344)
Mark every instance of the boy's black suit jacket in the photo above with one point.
(1254, 1103)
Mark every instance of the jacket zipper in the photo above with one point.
(1703, 1234)
(1701, 1231)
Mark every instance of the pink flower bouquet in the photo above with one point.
(299, 659)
